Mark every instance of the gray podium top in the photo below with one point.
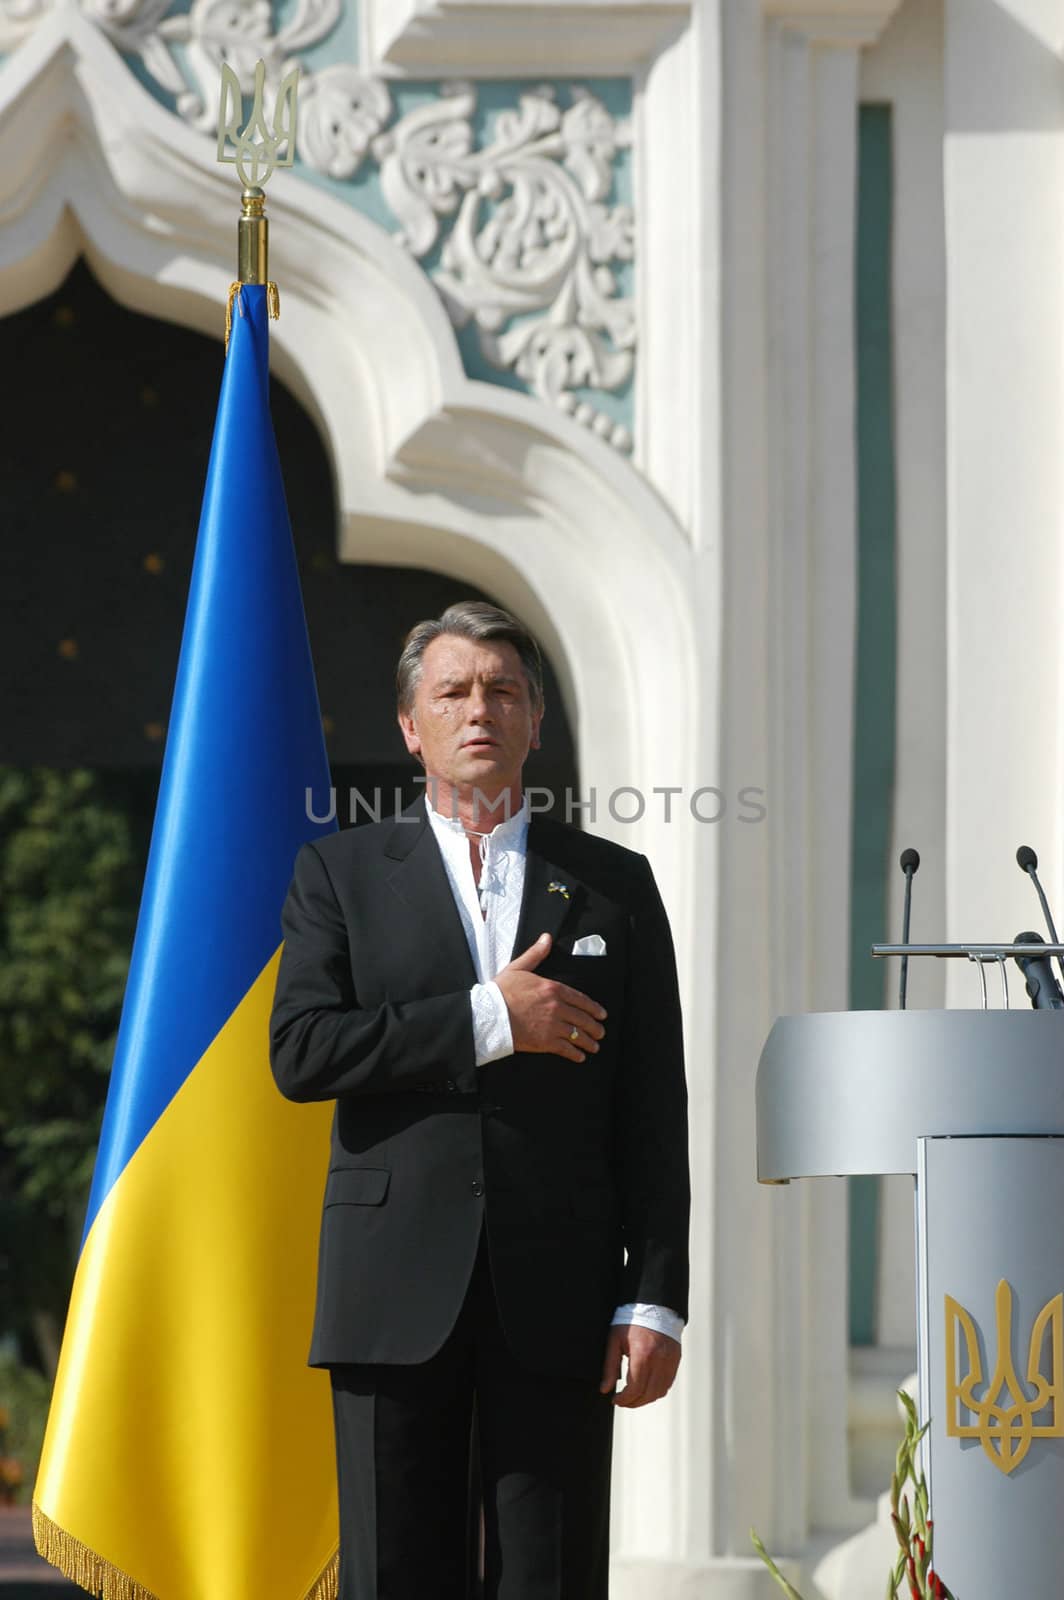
(842, 1092)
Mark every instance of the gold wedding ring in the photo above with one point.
(574, 1034)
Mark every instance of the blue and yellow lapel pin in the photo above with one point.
(554, 887)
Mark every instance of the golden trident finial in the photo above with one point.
(256, 150)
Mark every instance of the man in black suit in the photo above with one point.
(507, 1203)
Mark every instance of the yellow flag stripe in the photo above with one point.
(189, 1446)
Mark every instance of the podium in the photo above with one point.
(972, 1104)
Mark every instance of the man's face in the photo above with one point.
(472, 721)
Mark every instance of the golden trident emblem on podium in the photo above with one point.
(1005, 1412)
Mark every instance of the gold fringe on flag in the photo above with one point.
(82, 1565)
(98, 1577)
(328, 1585)
(273, 306)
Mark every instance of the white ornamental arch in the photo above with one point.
(432, 469)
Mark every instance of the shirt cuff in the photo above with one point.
(492, 1038)
(659, 1318)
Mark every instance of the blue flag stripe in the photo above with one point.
(244, 746)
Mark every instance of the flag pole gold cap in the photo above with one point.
(253, 238)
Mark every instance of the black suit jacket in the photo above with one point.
(579, 1169)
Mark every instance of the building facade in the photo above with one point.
(723, 344)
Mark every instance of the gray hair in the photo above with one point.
(468, 619)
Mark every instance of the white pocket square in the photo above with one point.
(592, 944)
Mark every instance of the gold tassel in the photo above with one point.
(82, 1565)
(234, 290)
(273, 308)
(328, 1585)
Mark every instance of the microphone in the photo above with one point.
(1042, 987)
(909, 862)
(1027, 861)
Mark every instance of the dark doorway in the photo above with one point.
(103, 457)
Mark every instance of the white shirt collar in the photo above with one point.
(510, 834)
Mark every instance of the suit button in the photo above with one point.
(477, 1188)
(451, 1086)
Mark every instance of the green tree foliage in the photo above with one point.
(24, 1401)
(69, 881)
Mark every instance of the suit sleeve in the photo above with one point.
(322, 1043)
(651, 1130)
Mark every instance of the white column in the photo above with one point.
(746, 150)
(665, 1458)
(1004, 183)
(812, 77)
(760, 182)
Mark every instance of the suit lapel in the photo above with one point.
(552, 896)
(416, 874)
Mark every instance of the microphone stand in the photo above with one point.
(909, 862)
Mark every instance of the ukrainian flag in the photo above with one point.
(189, 1448)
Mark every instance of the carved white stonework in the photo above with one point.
(18, 18)
(341, 112)
(532, 241)
(533, 238)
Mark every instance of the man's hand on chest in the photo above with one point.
(546, 1017)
